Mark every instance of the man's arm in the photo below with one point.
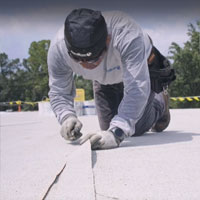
(136, 83)
(136, 92)
(61, 83)
(133, 48)
(62, 93)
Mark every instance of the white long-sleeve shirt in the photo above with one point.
(125, 61)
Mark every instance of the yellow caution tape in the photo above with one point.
(181, 99)
(192, 98)
(197, 98)
(30, 103)
(174, 98)
(189, 98)
(18, 102)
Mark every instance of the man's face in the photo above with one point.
(92, 65)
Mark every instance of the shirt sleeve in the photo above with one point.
(61, 83)
(136, 82)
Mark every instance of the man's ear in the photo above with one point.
(108, 40)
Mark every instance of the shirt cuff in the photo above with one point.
(128, 126)
(64, 116)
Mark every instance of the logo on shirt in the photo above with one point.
(113, 68)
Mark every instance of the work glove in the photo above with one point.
(70, 129)
(101, 140)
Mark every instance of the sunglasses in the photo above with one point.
(89, 59)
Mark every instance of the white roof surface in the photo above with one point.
(156, 166)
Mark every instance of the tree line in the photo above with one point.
(28, 80)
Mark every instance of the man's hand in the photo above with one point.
(70, 129)
(101, 140)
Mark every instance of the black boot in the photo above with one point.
(163, 122)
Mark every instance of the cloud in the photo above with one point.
(19, 30)
(168, 30)
(24, 23)
(153, 7)
(163, 37)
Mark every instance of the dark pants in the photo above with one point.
(108, 98)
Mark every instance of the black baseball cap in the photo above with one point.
(85, 34)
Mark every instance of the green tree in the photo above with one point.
(86, 85)
(8, 79)
(37, 71)
(187, 66)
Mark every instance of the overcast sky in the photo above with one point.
(23, 21)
